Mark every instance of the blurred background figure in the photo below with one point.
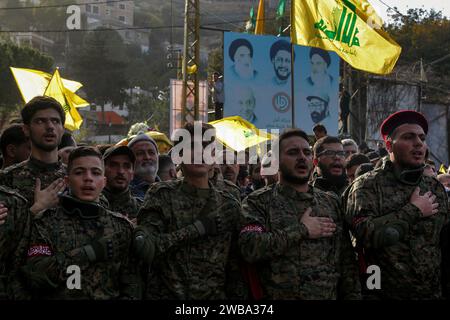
(350, 147)
(66, 146)
(15, 145)
(265, 175)
(166, 168)
(319, 131)
(364, 168)
(217, 95)
(353, 163)
(430, 168)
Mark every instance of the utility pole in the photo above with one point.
(191, 62)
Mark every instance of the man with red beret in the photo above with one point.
(397, 214)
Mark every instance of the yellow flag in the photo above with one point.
(66, 98)
(351, 28)
(238, 134)
(442, 169)
(32, 83)
(259, 29)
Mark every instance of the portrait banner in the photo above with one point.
(257, 79)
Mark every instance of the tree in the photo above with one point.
(101, 66)
(153, 111)
(423, 35)
(22, 57)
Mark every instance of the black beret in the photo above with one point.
(402, 117)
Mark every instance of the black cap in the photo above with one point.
(119, 150)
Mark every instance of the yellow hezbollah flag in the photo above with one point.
(442, 169)
(67, 99)
(238, 134)
(32, 83)
(351, 28)
(259, 29)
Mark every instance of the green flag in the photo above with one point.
(250, 26)
(281, 8)
(280, 15)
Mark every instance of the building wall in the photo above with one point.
(122, 12)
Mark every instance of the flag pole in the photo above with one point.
(292, 69)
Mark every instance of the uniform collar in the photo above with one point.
(85, 210)
(39, 165)
(117, 197)
(294, 194)
(196, 192)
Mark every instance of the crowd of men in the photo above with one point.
(133, 225)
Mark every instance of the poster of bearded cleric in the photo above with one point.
(316, 88)
(257, 79)
(257, 83)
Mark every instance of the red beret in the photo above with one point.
(402, 117)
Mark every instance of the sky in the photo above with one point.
(404, 5)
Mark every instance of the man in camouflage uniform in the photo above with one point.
(41, 174)
(187, 231)
(227, 178)
(81, 236)
(14, 223)
(43, 119)
(293, 234)
(397, 213)
(329, 159)
(119, 164)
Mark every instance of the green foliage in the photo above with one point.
(424, 35)
(101, 66)
(154, 112)
(12, 55)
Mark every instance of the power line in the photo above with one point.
(393, 9)
(63, 5)
(124, 28)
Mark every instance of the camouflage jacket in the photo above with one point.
(13, 244)
(57, 241)
(186, 265)
(228, 186)
(326, 186)
(22, 176)
(288, 264)
(410, 267)
(123, 203)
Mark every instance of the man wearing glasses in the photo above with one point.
(329, 159)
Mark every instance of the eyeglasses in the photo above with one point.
(332, 154)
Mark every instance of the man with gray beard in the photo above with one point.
(329, 157)
(146, 167)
